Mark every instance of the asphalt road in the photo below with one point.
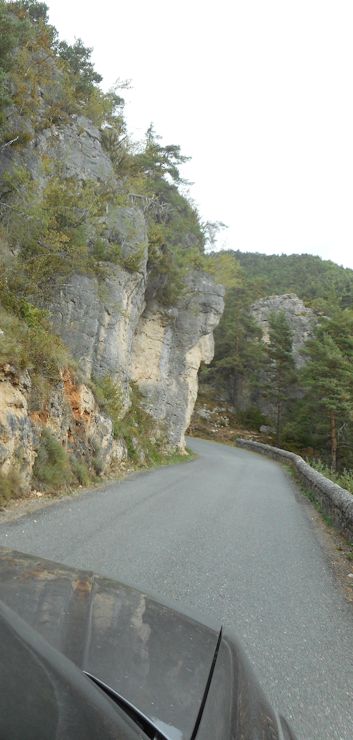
(229, 536)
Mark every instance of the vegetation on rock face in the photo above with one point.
(145, 444)
(28, 343)
(53, 222)
(176, 238)
(10, 486)
(309, 409)
(52, 465)
(43, 82)
(55, 469)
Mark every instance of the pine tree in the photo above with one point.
(328, 379)
(238, 339)
(280, 373)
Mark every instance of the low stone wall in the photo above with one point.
(335, 501)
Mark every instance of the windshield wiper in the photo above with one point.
(140, 719)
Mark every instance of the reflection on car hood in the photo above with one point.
(156, 658)
(44, 695)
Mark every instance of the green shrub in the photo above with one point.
(133, 261)
(52, 469)
(29, 343)
(109, 396)
(13, 340)
(344, 479)
(10, 486)
(98, 464)
(144, 441)
(252, 417)
(136, 426)
(80, 471)
(41, 390)
(104, 251)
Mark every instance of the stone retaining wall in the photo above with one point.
(335, 501)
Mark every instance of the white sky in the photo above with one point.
(258, 92)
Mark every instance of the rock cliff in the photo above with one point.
(72, 416)
(168, 348)
(113, 325)
(300, 318)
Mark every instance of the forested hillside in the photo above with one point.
(320, 283)
(301, 389)
(102, 271)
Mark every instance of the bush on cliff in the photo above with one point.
(52, 469)
(10, 486)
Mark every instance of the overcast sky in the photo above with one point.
(257, 92)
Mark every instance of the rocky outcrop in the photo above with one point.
(301, 319)
(110, 320)
(168, 348)
(73, 149)
(97, 319)
(76, 420)
(111, 331)
(17, 435)
(72, 416)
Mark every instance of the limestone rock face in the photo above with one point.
(110, 333)
(110, 321)
(77, 147)
(168, 349)
(17, 437)
(74, 147)
(302, 320)
(76, 420)
(97, 320)
(72, 416)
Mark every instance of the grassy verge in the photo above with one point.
(343, 479)
(175, 457)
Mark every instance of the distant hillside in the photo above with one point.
(314, 280)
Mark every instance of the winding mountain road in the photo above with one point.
(229, 536)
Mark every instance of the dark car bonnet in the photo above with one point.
(156, 658)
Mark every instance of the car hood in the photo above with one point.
(156, 658)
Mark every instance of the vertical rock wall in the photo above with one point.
(168, 349)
